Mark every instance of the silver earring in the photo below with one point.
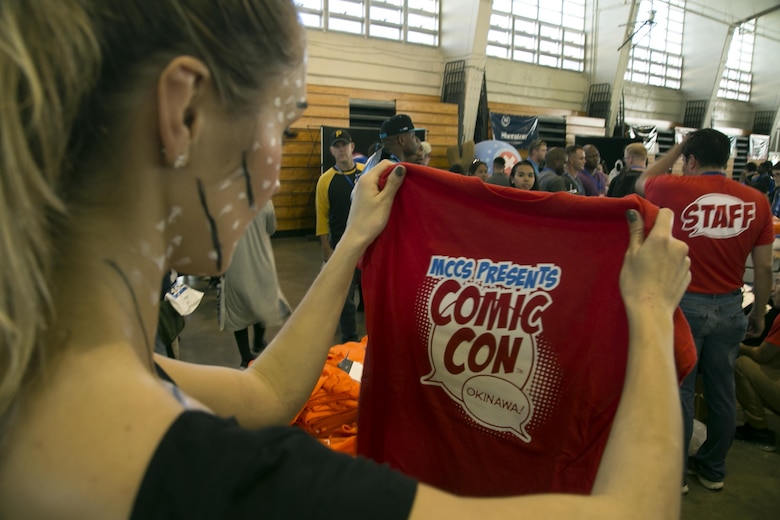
(180, 161)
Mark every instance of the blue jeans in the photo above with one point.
(718, 325)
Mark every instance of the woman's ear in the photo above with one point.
(180, 114)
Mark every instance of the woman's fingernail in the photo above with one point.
(631, 215)
(399, 170)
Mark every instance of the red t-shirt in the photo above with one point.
(497, 335)
(720, 219)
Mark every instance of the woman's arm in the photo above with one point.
(641, 469)
(280, 381)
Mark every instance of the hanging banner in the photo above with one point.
(519, 131)
(648, 134)
(680, 132)
(759, 148)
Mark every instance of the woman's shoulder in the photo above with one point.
(80, 443)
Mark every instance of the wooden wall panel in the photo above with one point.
(298, 176)
(329, 106)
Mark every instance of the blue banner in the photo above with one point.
(519, 131)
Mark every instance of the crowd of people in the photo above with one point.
(712, 303)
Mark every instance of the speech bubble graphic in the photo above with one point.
(497, 404)
(717, 216)
(482, 350)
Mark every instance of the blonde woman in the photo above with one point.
(142, 136)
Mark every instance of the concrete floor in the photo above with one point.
(752, 486)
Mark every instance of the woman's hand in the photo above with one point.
(656, 270)
(371, 207)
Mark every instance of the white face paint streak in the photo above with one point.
(291, 115)
(241, 196)
(273, 141)
(267, 184)
(160, 226)
(184, 261)
(227, 209)
(225, 184)
(212, 255)
(236, 224)
(280, 116)
(159, 261)
(176, 240)
(270, 160)
(174, 214)
(256, 146)
(169, 253)
(278, 102)
(298, 83)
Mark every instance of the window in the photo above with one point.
(737, 77)
(542, 32)
(656, 53)
(414, 21)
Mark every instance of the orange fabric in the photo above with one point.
(330, 414)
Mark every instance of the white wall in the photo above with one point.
(606, 30)
(523, 84)
(732, 114)
(369, 63)
(458, 16)
(766, 64)
(644, 102)
(700, 60)
(341, 59)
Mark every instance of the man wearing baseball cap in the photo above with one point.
(399, 142)
(334, 195)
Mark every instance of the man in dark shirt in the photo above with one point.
(635, 162)
(593, 179)
(554, 165)
(499, 177)
(399, 141)
(537, 150)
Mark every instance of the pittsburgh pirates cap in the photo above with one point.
(340, 135)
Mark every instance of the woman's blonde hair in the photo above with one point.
(63, 65)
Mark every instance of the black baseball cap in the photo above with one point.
(396, 125)
(340, 135)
